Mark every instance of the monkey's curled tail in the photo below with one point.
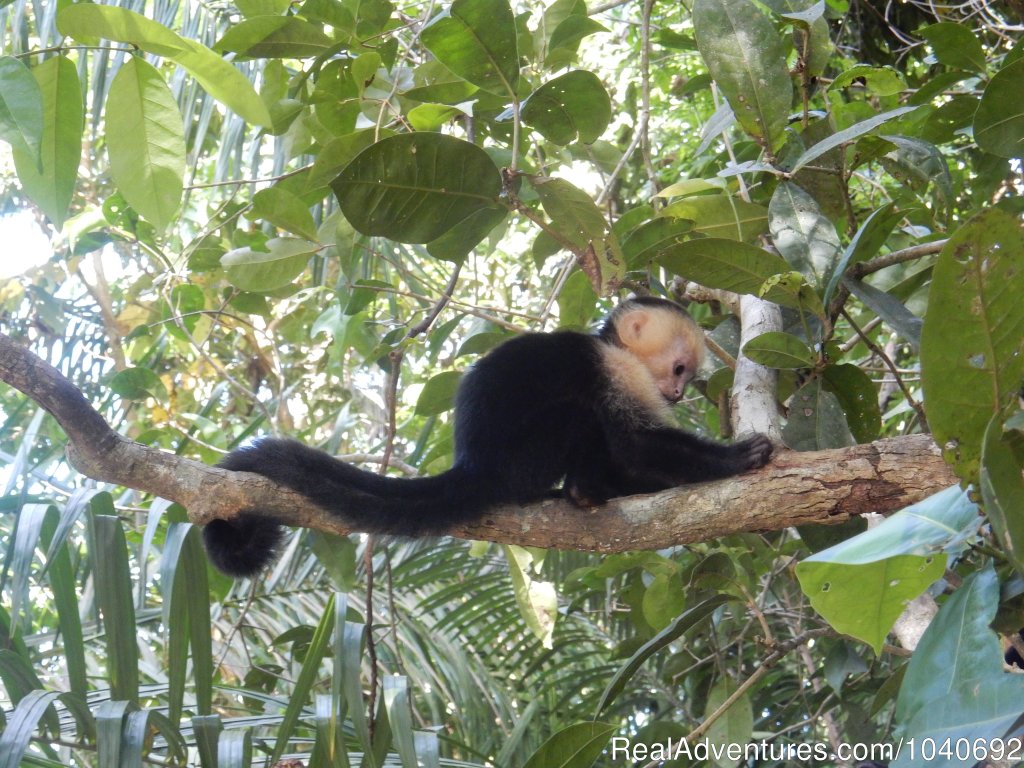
(247, 543)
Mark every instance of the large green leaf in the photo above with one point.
(972, 343)
(476, 39)
(415, 187)
(858, 398)
(847, 136)
(803, 234)
(570, 107)
(889, 308)
(22, 725)
(685, 622)
(955, 687)
(721, 216)
(776, 349)
(576, 217)
(999, 121)
(816, 420)
(60, 149)
(21, 107)
(114, 596)
(145, 141)
(1002, 487)
(725, 264)
(870, 238)
(863, 584)
(747, 58)
(955, 46)
(282, 262)
(304, 682)
(218, 77)
(268, 37)
(577, 746)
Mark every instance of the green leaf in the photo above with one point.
(21, 726)
(955, 687)
(1002, 487)
(566, 39)
(999, 121)
(275, 37)
(847, 136)
(862, 584)
(65, 597)
(870, 238)
(21, 107)
(776, 349)
(725, 264)
(688, 620)
(803, 234)
(955, 46)
(882, 592)
(791, 289)
(857, 397)
(573, 212)
(653, 238)
(918, 164)
(308, 674)
(972, 350)
(138, 384)
(577, 746)
(816, 420)
(721, 216)
(438, 393)
(889, 308)
(735, 726)
(879, 81)
(283, 261)
(570, 107)
(60, 146)
(217, 76)
(431, 117)
(114, 596)
(455, 244)
(576, 217)
(396, 703)
(537, 600)
(476, 39)
(664, 599)
(285, 210)
(415, 187)
(146, 142)
(234, 748)
(747, 58)
(576, 302)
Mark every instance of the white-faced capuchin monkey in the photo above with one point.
(593, 411)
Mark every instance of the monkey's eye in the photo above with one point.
(679, 370)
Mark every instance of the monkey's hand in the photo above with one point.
(754, 452)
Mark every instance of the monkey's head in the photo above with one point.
(663, 337)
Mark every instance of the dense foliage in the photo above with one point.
(308, 218)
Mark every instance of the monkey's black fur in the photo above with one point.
(538, 409)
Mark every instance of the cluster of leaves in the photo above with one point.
(247, 245)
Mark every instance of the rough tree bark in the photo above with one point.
(794, 489)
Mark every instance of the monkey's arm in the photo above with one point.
(685, 458)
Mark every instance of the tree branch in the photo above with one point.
(794, 489)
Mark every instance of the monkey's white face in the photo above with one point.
(669, 346)
(673, 367)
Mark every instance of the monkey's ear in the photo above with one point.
(630, 326)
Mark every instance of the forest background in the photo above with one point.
(309, 218)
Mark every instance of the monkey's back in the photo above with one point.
(522, 408)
